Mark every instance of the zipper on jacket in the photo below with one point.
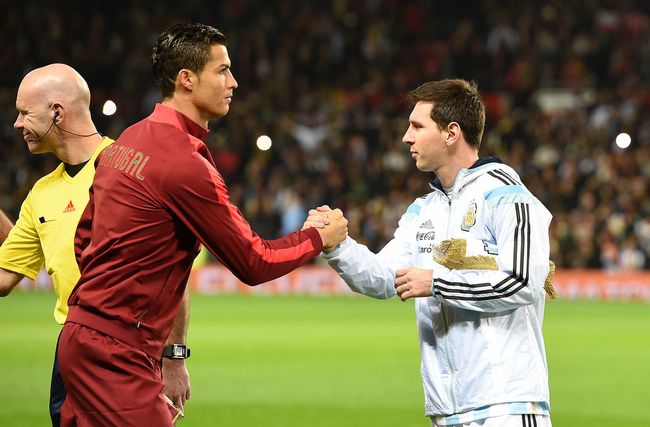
(443, 310)
(154, 301)
(448, 217)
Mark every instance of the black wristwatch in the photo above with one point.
(176, 351)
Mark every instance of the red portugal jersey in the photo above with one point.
(155, 196)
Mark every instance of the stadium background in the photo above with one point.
(325, 80)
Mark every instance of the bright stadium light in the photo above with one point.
(109, 108)
(264, 142)
(623, 140)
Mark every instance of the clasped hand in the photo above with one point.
(409, 282)
(331, 225)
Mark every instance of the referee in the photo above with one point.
(53, 104)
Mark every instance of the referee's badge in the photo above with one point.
(470, 217)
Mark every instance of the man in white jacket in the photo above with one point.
(481, 312)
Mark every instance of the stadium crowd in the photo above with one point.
(325, 80)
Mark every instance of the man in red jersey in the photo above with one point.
(53, 105)
(156, 195)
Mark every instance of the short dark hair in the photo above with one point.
(182, 46)
(454, 100)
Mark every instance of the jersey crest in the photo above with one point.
(470, 217)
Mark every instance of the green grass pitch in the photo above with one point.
(340, 361)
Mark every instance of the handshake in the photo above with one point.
(330, 224)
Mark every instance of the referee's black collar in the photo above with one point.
(72, 170)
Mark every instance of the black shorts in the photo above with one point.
(57, 391)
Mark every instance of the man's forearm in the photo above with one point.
(176, 379)
(5, 226)
(178, 334)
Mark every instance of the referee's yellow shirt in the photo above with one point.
(45, 230)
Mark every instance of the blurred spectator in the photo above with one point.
(325, 81)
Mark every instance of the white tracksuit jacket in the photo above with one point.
(481, 335)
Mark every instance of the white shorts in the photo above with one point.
(507, 421)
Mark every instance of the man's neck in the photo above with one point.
(448, 173)
(187, 108)
(78, 150)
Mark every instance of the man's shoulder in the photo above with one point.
(147, 125)
(501, 186)
(496, 175)
(155, 152)
(415, 208)
(158, 135)
(46, 181)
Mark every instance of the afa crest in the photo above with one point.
(470, 217)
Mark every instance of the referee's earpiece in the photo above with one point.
(55, 119)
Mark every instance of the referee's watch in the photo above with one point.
(176, 351)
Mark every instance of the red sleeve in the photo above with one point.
(198, 196)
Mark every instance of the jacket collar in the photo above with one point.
(165, 114)
(480, 162)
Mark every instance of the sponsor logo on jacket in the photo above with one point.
(69, 208)
(425, 237)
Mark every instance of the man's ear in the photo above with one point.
(186, 79)
(454, 133)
